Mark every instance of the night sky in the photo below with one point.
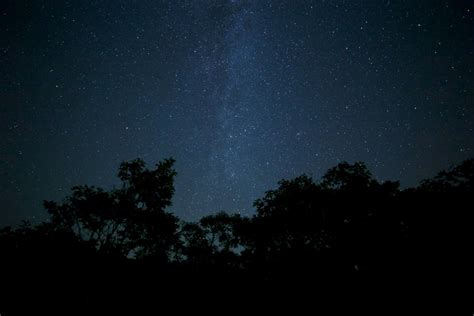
(240, 93)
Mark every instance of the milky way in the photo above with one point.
(240, 93)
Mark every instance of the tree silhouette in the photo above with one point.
(128, 221)
(459, 179)
(347, 230)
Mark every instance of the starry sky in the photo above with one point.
(240, 93)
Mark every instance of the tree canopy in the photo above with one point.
(345, 226)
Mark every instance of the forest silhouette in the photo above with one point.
(337, 236)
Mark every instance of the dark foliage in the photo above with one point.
(334, 238)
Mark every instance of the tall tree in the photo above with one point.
(130, 220)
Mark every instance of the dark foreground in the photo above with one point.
(341, 244)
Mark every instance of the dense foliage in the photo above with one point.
(346, 229)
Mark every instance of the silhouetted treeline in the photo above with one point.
(334, 237)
